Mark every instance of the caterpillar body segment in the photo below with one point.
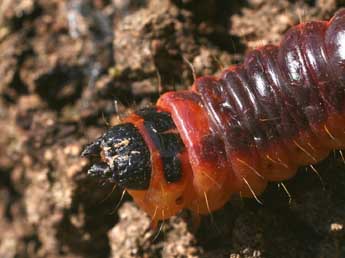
(283, 108)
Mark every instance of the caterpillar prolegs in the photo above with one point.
(284, 107)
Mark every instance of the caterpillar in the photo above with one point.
(256, 122)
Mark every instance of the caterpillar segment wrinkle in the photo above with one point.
(284, 107)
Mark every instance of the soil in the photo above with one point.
(70, 69)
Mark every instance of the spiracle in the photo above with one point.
(283, 108)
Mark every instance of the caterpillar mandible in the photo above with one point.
(284, 107)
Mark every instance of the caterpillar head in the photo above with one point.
(123, 157)
(147, 158)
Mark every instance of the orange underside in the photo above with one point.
(211, 176)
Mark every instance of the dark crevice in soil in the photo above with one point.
(13, 194)
(17, 86)
(61, 86)
(18, 22)
(213, 20)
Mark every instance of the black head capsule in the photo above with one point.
(124, 157)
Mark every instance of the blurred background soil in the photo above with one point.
(70, 69)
